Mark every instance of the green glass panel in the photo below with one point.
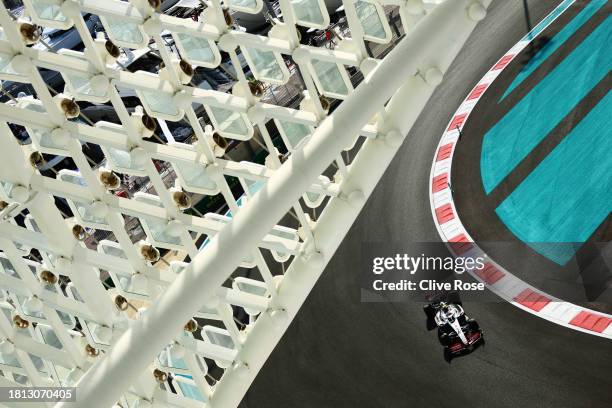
(370, 20)
(229, 121)
(195, 175)
(82, 85)
(48, 11)
(123, 30)
(160, 102)
(308, 11)
(196, 48)
(251, 4)
(330, 77)
(266, 64)
(294, 132)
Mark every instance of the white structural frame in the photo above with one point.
(125, 344)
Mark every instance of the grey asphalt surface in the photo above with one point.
(339, 352)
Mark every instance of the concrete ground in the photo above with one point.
(339, 352)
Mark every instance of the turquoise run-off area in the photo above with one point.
(570, 193)
(553, 45)
(511, 139)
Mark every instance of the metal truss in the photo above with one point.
(114, 275)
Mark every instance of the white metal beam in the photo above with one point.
(104, 382)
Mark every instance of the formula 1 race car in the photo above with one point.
(456, 331)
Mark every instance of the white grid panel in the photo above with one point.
(86, 249)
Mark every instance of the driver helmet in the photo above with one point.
(446, 311)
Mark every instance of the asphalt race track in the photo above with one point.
(339, 352)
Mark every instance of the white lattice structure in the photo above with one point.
(108, 315)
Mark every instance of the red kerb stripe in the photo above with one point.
(445, 213)
(457, 121)
(489, 274)
(591, 321)
(503, 62)
(533, 300)
(479, 90)
(444, 152)
(439, 183)
(459, 238)
(460, 244)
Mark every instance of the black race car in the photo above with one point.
(456, 331)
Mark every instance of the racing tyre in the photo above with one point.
(430, 312)
(448, 356)
(444, 338)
